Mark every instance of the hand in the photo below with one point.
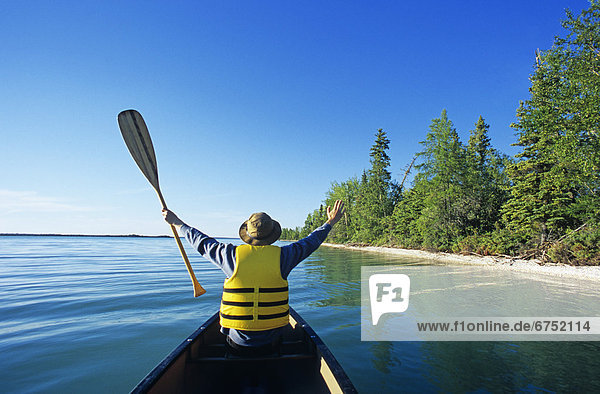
(335, 214)
(171, 218)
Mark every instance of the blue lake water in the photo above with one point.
(95, 314)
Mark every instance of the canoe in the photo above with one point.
(202, 364)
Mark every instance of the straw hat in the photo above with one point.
(260, 230)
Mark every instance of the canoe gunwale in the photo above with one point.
(336, 369)
(323, 352)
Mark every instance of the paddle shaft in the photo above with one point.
(198, 290)
(137, 138)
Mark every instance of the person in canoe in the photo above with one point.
(254, 306)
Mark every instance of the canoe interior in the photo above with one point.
(201, 364)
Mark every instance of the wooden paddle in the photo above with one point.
(137, 138)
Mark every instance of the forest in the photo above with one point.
(470, 198)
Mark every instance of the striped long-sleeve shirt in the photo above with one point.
(223, 256)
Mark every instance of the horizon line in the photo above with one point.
(92, 235)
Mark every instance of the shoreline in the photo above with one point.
(502, 263)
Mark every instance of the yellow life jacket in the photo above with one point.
(255, 298)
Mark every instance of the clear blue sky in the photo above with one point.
(252, 106)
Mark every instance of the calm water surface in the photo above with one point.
(96, 314)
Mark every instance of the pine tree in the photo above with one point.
(403, 227)
(479, 144)
(376, 193)
(442, 174)
(579, 55)
(556, 182)
(379, 175)
(347, 191)
(485, 181)
(540, 195)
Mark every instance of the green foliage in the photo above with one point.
(457, 191)
(556, 182)
(501, 241)
(486, 180)
(288, 234)
(348, 192)
(313, 220)
(471, 198)
(375, 199)
(443, 175)
(578, 248)
(407, 211)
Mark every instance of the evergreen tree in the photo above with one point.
(403, 225)
(549, 196)
(486, 183)
(348, 192)
(541, 193)
(442, 174)
(376, 193)
(479, 144)
(289, 234)
(578, 53)
(556, 182)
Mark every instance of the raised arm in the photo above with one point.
(334, 215)
(293, 254)
(220, 254)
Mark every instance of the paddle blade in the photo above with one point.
(137, 138)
